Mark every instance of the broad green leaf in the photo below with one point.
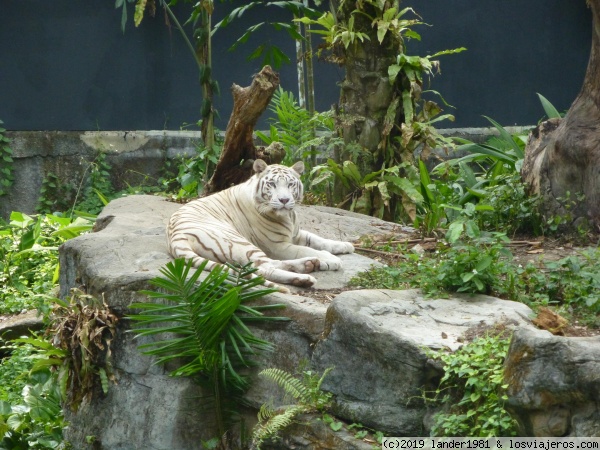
(507, 137)
(393, 71)
(350, 170)
(407, 104)
(405, 186)
(447, 52)
(15, 422)
(333, 166)
(336, 426)
(484, 263)
(467, 276)
(454, 231)
(471, 229)
(5, 408)
(549, 108)
(140, 6)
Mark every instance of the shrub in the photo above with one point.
(472, 392)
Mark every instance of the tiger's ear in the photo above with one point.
(259, 166)
(298, 167)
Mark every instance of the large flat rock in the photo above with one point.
(147, 409)
(375, 339)
(554, 383)
(129, 245)
(376, 342)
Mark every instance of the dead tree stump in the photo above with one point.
(562, 157)
(239, 152)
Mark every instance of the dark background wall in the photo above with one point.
(67, 65)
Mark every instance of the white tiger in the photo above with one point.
(255, 222)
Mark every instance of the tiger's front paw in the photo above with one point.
(301, 265)
(330, 263)
(340, 248)
(303, 281)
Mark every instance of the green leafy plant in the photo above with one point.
(477, 265)
(293, 126)
(350, 33)
(306, 394)
(488, 177)
(571, 284)
(502, 152)
(549, 109)
(6, 163)
(207, 324)
(14, 370)
(31, 415)
(29, 257)
(55, 195)
(372, 193)
(271, 54)
(472, 391)
(97, 186)
(93, 192)
(194, 172)
(36, 421)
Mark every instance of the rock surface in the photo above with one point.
(554, 383)
(375, 339)
(148, 409)
(129, 246)
(13, 327)
(309, 432)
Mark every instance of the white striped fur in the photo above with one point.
(255, 222)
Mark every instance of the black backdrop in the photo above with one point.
(66, 65)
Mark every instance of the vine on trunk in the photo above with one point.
(381, 105)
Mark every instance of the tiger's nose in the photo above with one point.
(284, 200)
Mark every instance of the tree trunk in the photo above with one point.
(562, 157)
(239, 152)
(370, 107)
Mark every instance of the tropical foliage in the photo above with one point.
(204, 324)
(472, 391)
(29, 257)
(6, 163)
(374, 34)
(306, 394)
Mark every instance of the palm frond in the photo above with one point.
(203, 323)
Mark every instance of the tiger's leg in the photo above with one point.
(283, 271)
(307, 244)
(326, 260)
(311, 240)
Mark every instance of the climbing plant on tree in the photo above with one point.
(381, 104)
(6, 163)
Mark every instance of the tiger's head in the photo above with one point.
(278, 188)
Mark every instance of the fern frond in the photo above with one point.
(103, 379)
(266, 412)
(275, 424)
(325, 373)
(290, 385)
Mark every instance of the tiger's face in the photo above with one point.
(278, 188)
